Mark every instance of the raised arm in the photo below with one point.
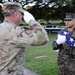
(35, 35)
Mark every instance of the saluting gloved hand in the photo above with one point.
(29, 19)
(28, 16)
(34, 25)
(60, 39)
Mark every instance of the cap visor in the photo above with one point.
(67, 19)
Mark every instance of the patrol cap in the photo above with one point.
(69, 16)
(10, 7)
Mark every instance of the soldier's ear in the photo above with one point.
(15, 14)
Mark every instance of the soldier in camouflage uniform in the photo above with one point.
(14, 39)
(66, 55)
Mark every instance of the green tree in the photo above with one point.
(49, 9)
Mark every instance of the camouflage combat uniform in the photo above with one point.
(13, 40)
(66, 57)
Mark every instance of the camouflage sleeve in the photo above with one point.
(35, 37)
(40, 32)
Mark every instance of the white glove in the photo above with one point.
(61, 39)
(27, 17)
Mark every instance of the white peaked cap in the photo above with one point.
(28, 16)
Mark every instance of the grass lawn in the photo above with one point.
(46, 65)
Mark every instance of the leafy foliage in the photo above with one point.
(49, 9)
